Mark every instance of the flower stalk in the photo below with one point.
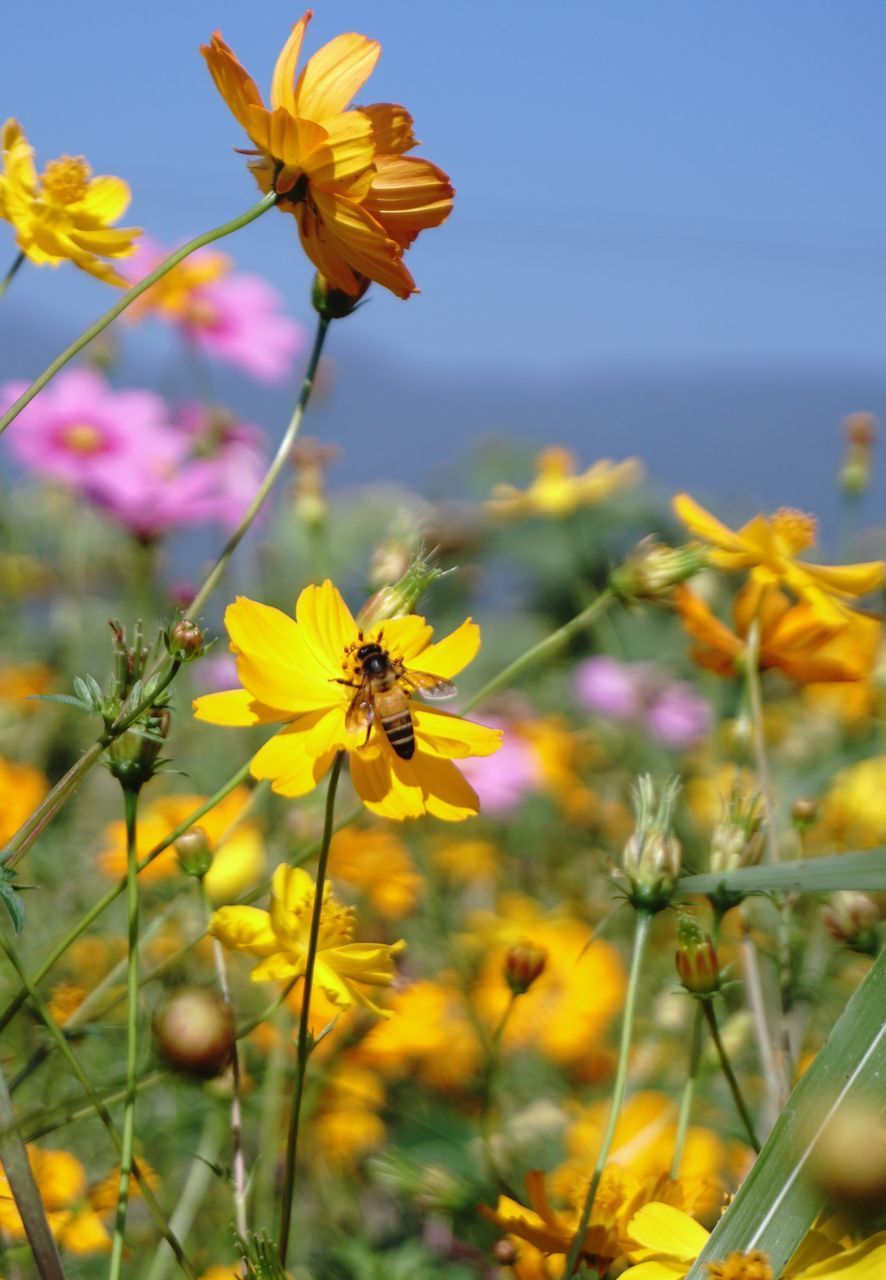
(227, 228)
(710, 1017)
(642, 924)
(25, 1192)
(7, 280)
(305, 1043)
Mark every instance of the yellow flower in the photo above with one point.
(177, 294)
(280, 938)
(429, 1037)
(377, 862)
(357, 198)
(558, 489)
(853, 814)
(20, 683)
(768, 546)
(238, 854)
(73, 1219)
(671, 1241)
(347, 1125)
(304, 673)
(794, 638)
(64, 214)
(22, 787)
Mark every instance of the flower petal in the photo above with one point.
(848, 579)
(328, 625)
(706, 526)
(361, 240)
(451, 654)
(106, 199)
(452, 737)
(867, 1261)
(277, 660)
(244, 929)
(404, 637)
(408, 194)
(371, 962)
(345, 151)
(665, 1229)
(235, 707)
(279, 968)
(334, 74)
(284, 137)
(283, 80)
(391, 128)
(301, 753)
(232, 80)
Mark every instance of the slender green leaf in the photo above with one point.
(808, 875)
(778, 1202)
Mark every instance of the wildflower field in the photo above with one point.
(479, 885)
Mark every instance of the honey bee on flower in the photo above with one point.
(309, 675)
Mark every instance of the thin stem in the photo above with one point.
(25, 1192)
(711, 1019)
(641, 933)
(193, 1193)
(545, 648)
(488, 1082)
(303, 1046)
(758, 732)
(111, 896)
(7, 280)
(130, 800)
(280, 459)
(773, 1077)
(688, 1091)
(46, 811)
(267, 202)
(97, 1104)
(269, 1129)
(238, 1164)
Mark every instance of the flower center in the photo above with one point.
(201, 313)
(796, 529)
(742, 1266)
(82, 437)
(556, 463)
(65, 180)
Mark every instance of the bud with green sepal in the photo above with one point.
(652, 570)
(652, 856)
(696, 958)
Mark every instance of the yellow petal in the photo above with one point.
(665, 1229)
(867, 1261)
(236, 866)
(233, 82)
(404, 637)
(300, 754)
(656, 1269)
(290, 887)
(59, 1175)
(449, 736)
(371, 962)
(362, 242)
(328, 625)
(84, 1233)
(334, 74)
(283, 136)
(450, 655)
(345, 151)
(391, 128)
(279, 968)
(244, 929)
(283, 80)
(445, 792)
(281, 661)
(235, 707)
(18, 158)
(706, 526)
(408, 195)
(848, 579)
(106, 199)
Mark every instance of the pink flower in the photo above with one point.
(641, 694)
(156, 496)
(234, 451)
(79, 428)
(502, 781)
(233, 316)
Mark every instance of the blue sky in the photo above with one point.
(681, 183)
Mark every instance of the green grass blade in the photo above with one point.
(808, 875)
(778, 1202)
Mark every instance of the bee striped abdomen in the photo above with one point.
(400, 733)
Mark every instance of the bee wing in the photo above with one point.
(434, 688)
(360, 712)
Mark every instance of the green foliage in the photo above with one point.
(807, 875)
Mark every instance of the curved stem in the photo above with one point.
(488, 1083)
(544, 649)
(7, 280)
(281, 457)
(303, 1045)
(641, 933)
(25, 1192)
(226, 229)
(711, 1019)
(130, 801)
(688, 1092)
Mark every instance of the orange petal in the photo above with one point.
(345, 151)
(283, 80)
(232, 80)
(283, 136)
(361, 241)
(328, 260)
(848, 579)
(391, 127)
(334, 74)
(704, 525)
(408, 195)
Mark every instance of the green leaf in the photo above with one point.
(778, 1202)
(808, 875)
(13, 904)
(66, 698)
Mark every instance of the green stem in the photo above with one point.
(303, 1047)
(688, 1091)
(545, 648)
(758, 733)
(281, 457)
(238, 1164)
(130, 801)
(7, 280)
(25, 1191)
(111, 896)
(711, 1019)
(97, 1104)
(641, 933)
(46, 811)
(269, 1129)
(488, 1083)
(193, 1193)
(226, 229)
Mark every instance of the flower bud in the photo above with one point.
(653, 857)
(696, 958)
(737, 840)
(524, 963)
(335, 304)
(132, 758)
(804, 812)
(194, 1031)
(853, 918)
(194, 852)
(849, 1159)
(185, 640)
(855, 473)
(505, 1252)
(652, 570)
(402, 597)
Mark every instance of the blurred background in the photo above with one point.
(669, 236)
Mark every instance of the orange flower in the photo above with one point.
(794, 639)
(358, 199)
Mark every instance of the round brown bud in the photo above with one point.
(860, 429)
(505, 1252)
(804, 812)
(194, 852)
(194, 1031)
(849, 1159)
(524, 963)
(185, 639)
(853, 918)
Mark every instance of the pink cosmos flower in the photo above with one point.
(234, 451)
(502, 781)
(642, 694)
(234, 316)
(80, 428)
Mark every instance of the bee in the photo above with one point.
(381, 697)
